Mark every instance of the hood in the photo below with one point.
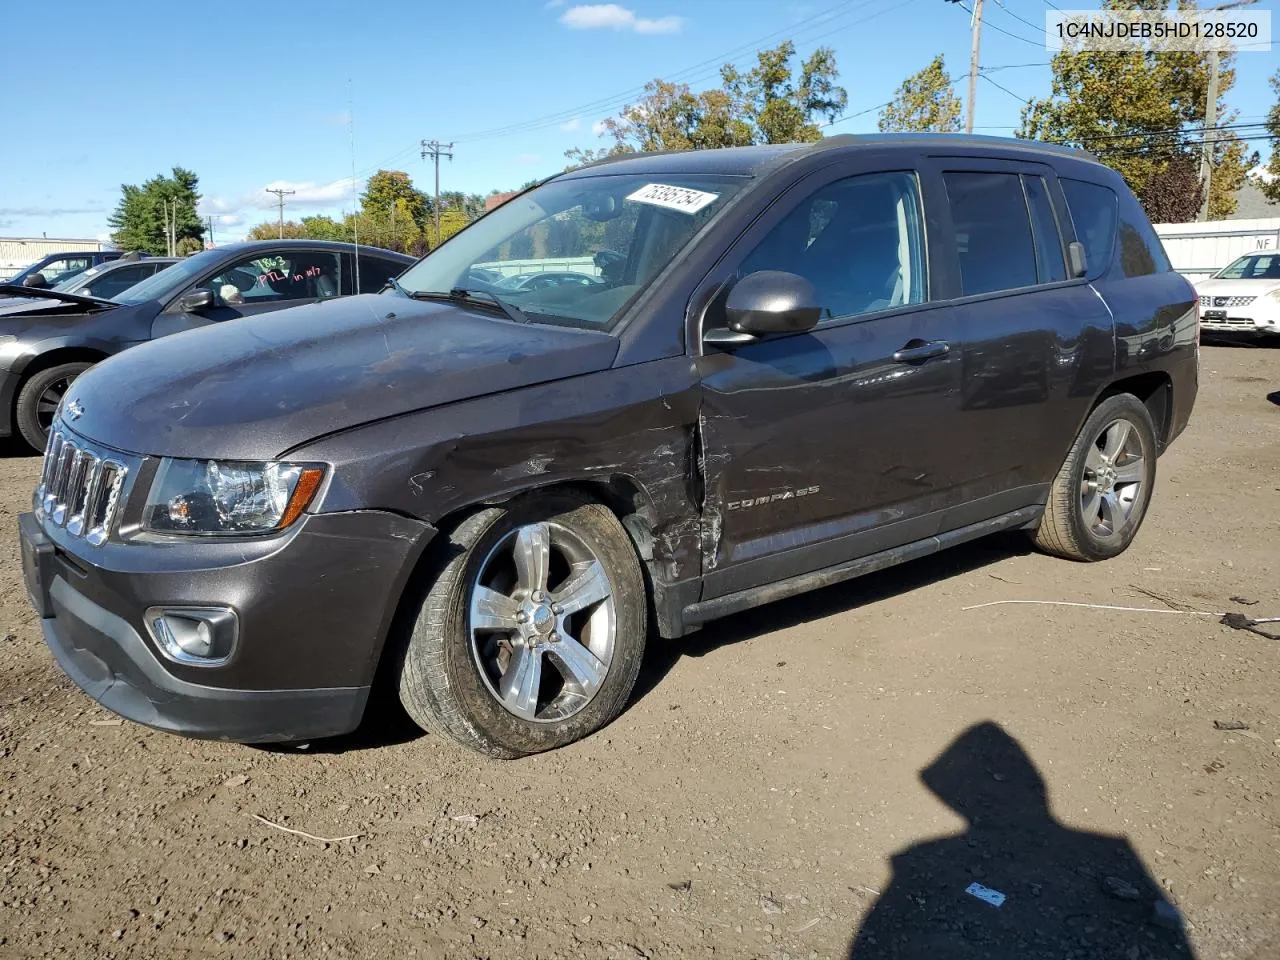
(1236, 288)
(255, 387)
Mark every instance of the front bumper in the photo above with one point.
(313, 617)
(1253, 320)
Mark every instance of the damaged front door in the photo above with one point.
(843, 440)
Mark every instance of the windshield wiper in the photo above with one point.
(461, 295)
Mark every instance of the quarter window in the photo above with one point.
(858, 241)
(993, 233)
(1093, 213)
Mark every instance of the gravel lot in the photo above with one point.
(763, 795)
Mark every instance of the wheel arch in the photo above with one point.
(623, 495)
(33, 363)
(1155, 389)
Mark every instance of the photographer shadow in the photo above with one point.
(1062, 892)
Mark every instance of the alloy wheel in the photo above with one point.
(542, 622)
(1114, 471)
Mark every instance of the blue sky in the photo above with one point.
(251, 98)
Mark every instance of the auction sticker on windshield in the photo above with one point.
(673, 198)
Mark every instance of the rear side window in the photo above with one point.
(1049, 262)
(993, 233)
(1093, 213)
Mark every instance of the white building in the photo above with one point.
(1198, 250)
(16, 253)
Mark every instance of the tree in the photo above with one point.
(188, 245)
(781, 108)
(1271, 187)
(770, 103)
(272, 230)
(138, 222)
(392, 189)
(925, 103)
(1174, 194)
(1137, 111)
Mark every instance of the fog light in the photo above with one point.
(197, 636)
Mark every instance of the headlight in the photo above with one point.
(229, 498)
(1274, 295)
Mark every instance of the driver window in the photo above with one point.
(858, 241)
(267, 278)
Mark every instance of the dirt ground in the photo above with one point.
(762, 796)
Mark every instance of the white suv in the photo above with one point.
(1243, 297)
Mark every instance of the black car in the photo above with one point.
(804, 363)
(108, 280)
(49, 338)
(51, 270)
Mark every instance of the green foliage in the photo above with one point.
(780, 108)
(389, 190)
(188, 245)
(925, 103)
(1136, 111)
(771, 103)
(138, 222)
(1271, 188)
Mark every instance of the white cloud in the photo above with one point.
(611, 16)
(1262, 174)
(571, 125)
(599, 128)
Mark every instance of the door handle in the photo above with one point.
(918, 351)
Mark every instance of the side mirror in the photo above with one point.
(36, 280)
(196, 301)
(1075, 255)
(772, 301)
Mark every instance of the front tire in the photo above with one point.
(1099, 498)
(532, 635)
(38, 399)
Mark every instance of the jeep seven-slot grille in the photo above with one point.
(79, 488)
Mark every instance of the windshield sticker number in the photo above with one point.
(673, 198)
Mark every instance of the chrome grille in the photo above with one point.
(79, 487)
(1208, 301)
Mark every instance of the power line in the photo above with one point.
(693, 74)
(1000, 86)
(1033, 26)
(850, 116)
(1014, 66)
(1034, 43)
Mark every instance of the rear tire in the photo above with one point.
(38, 399)
(1100, 496)
(532, 635)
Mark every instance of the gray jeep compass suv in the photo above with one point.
(788, 365)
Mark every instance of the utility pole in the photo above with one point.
(435, 150)
(1211, 114)
(208, 223)
(975, 23)
(973, 64)
(280, 195)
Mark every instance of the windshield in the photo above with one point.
(77, 280)
(1257, 266)
(160, 285)
(576, 252)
